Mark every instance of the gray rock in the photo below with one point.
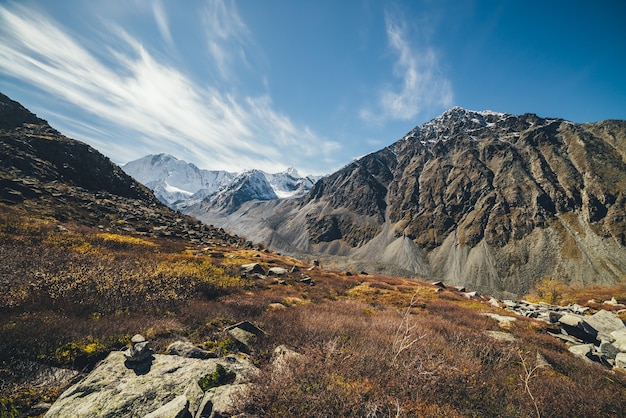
(39, 409)
(137, 338)
(554, 317)
(194, 395)
(276, 271)
(245, 333)
(282, 357)
(619, 340)
(114, 390)
(502, 319)
(582, 351)
(576, 326)
(620, 360)
(187, 349)
(500, 336)
(570, 320)
(138, 353)
(221, 401)
(566, 338)
(306, 280)
(605, 321)
(176, 408)
(510, 303)
(252, 268)
(608, 349)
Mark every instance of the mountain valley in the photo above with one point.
(480, 199)
(113, 304)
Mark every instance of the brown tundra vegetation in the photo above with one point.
(370, 346)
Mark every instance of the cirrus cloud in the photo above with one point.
(145, 103)
(420, 84)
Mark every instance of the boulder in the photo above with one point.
(503, 320)
(187, 349)
(608, 349)
(605, 322)
(306, 280)
(221, 401)
(576, 326)
(554, 317)
(252, 268)
(176, 408)
(281, 358)
(276, 271)
(582, 351)
(114, 390)
(245, 333)
(619, 340)
(620, 360)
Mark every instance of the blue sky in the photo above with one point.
(311, 84)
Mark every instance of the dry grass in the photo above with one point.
(373, 346)
(351, 366)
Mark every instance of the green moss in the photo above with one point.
(220, 376)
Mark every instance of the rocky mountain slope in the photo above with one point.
(484, 199)
(180, 184)
(52, 175)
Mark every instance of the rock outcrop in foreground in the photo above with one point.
(163, 386)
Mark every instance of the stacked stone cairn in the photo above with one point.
(139, 351)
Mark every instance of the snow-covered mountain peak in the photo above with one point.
(172, 179)
(291, 171)
(178, 183)
(454, 121)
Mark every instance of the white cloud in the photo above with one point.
(226, 34)
(162, 22)
(152, 105)
(421, 85)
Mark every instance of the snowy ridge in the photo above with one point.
(179, 184)
(172, 179)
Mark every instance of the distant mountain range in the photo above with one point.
(488, 200)
(180, 184)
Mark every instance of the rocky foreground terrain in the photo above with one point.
(487, 200)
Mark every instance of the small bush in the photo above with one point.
(220, 376)
(7, 409)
